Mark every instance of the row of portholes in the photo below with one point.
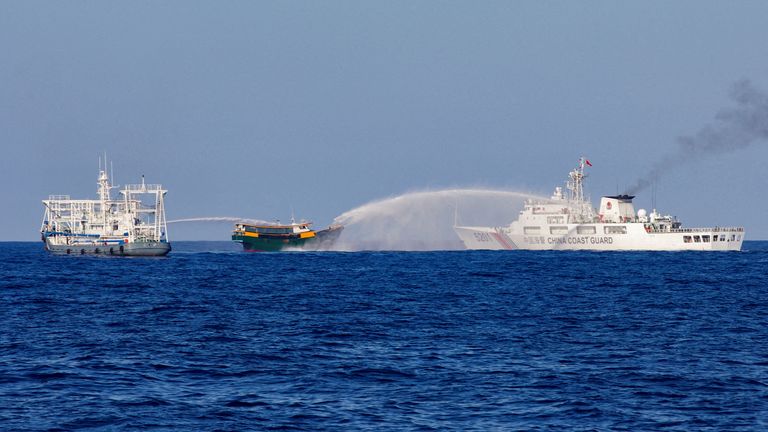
(95, 251)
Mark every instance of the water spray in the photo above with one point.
(424, 220)
(223, 219)
(421, 220)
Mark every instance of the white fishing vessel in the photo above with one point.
(568, 221)
(132, 225)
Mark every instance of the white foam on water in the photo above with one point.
(424, 220)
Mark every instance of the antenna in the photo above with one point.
(112, 173)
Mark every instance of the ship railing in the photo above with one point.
(58, 197)
(147, 238)
(146, 208)
(143, 188)
(702, 230)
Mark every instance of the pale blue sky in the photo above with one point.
(251, 108)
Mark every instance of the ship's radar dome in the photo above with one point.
(641, 213)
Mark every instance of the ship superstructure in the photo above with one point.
(132, 225)
(568, 221)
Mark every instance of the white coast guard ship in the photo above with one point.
(568, 221)
(133, 225)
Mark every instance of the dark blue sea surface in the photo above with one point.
(212, 338)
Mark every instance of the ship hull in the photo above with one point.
(322, 240)
(266, 244)
(636, 238)
(128, 249)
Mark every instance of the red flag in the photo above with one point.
(587, 161)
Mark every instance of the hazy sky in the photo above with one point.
(252, 108)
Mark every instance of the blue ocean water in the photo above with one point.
(212, 338)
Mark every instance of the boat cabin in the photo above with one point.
(274, 230)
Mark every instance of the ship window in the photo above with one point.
(613, 229)
(722, 237)
(532, 230)
(264, 230)
(555, 219)
(558, 230)
(686, 239)
(585, 230)
(705, 238)
(714, 238)
(738, 238)
(696, 239)
(733, 237)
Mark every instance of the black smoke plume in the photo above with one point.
(733, 129)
